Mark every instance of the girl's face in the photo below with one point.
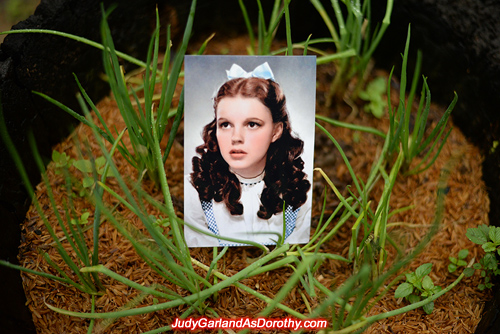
(245, 129)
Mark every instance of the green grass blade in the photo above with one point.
(441, 123)
(289, 30)
(93, 106)
(76, 115)
(328, 22)
(344, 157)
(99, 46)
(352, 126)
(177, 302)
(174, 75)
(248, 24)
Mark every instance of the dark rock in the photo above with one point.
(46, 63)
(460, 44)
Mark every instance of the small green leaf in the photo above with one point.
(84, 166)
(463, 254)
(436, 289)
(468, 272)
(427, 283)
(55, 155)
(452, 268)
(489, 247)
(461, 263)
(60, 159)
(84, 217)
(374, 95)
(88, 182)
(413, 299)
(453, 259)
(490, 261)
(412, 278)
(477, 266)
(403, 290)
(423, 270)
(100, 162)
(428, 308)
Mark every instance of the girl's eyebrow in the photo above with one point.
(253, 119)
(249, 119)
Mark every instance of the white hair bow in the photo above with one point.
(262, 71)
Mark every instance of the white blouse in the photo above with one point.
(247, 226)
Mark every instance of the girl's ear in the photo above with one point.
(278, 130)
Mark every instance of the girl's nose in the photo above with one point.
(237, 135)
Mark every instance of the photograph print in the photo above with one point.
(248, 149)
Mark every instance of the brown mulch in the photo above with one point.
(466, 205)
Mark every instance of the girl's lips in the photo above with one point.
(237, 154)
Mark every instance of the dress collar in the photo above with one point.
(253, 180)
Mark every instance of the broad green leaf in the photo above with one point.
(484, 228)
(403, 290)
(476, 235)
(453, 259)
(494, 234)
(452, 268)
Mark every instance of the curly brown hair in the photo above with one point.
(284, 178)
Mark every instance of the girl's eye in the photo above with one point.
(253, 125)
(224, 125)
